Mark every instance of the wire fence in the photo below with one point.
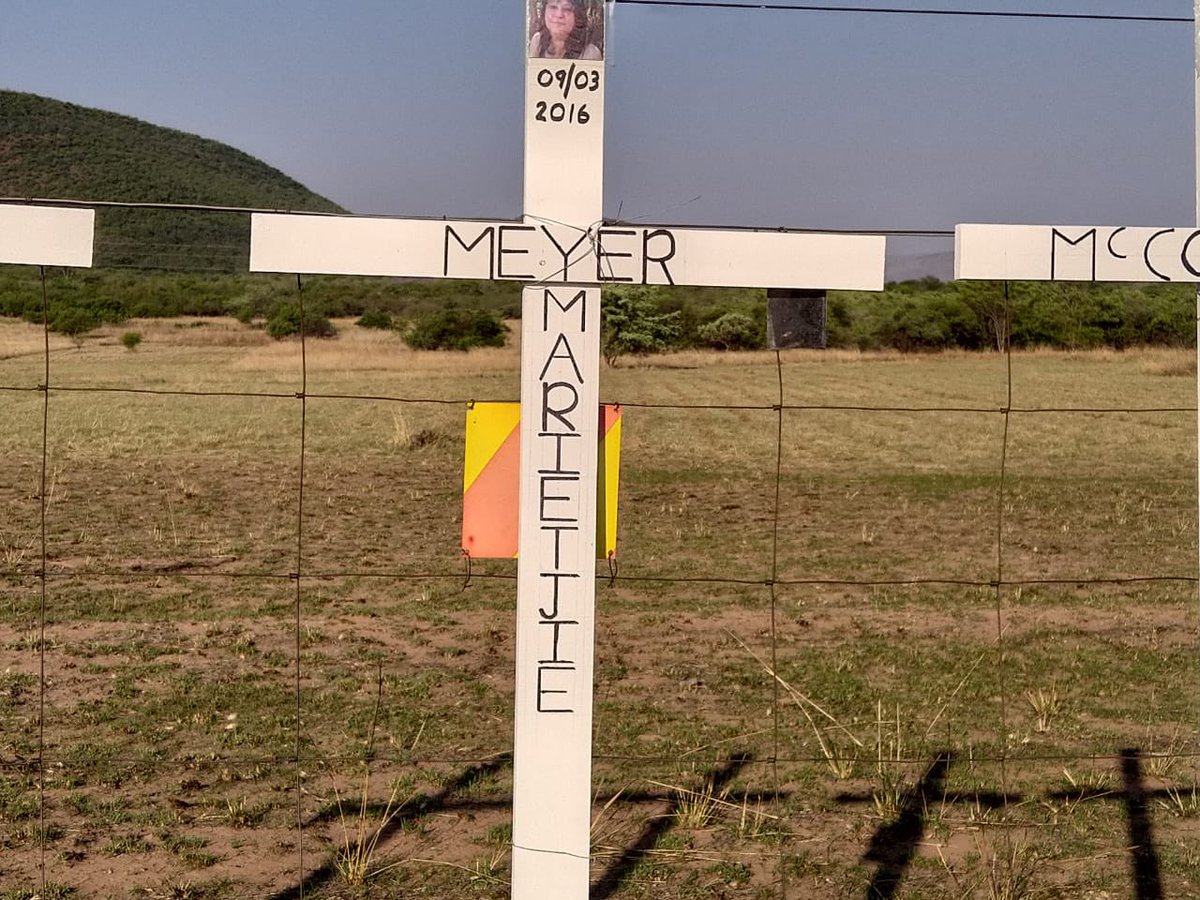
(804, 734)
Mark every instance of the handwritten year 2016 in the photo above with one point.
(562, 112)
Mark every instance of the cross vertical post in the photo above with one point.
(1196, 17)
(556, 569)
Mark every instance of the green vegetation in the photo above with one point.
(732, 331)
(110, 296)
(376, 318)
(924, 315)
(287, 320)
(931, 315)
(633, 326)
(456, 329)
(131, 339)
(73, 322)
(59, 150)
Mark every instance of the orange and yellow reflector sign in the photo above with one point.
(491, 474)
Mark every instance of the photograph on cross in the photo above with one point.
(566, 29)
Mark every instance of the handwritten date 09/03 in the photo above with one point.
(570, 79)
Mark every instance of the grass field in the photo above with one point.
(881, 721)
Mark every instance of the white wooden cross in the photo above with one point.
(564, 251)
(1076, 253)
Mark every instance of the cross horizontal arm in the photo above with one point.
(46, 236)
(553, 253)
(1076, 253)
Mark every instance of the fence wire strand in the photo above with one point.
(615, 578)
(1001, 661)
(695, 407)
(775, 709)
(303, 396)
(41, 777)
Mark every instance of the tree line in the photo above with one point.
(924, 315)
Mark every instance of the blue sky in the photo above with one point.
(735, 117)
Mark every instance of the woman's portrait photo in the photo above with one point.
(566, 29)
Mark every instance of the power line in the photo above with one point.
(906, 11)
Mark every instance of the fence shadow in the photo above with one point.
(894, 844)
(608, 883)
(892, 848)
(1134, 796)
(417, 807)
(1147, 881)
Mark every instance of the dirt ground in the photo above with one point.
(938, 662)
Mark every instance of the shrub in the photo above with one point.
(73, 321)
(456, 329)
(375, 318)
(937, 323)
(105, 308)
(130, 339)
(242, 310)
(632, 324)
(285, 321)
(732, 331)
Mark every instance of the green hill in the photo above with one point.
(55, 150)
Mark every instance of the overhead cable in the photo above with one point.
(906, 11)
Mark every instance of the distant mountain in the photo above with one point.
(55, 150)
(914, 268)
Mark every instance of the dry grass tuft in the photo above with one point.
(19, 339)
(1178, 364)
(703, 359)
(1012, 870)
(373, 350)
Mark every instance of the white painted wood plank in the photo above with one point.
(552, 766)
(766, 259)
(1076, 253)
(564, 141)
(341, 245)
(46, 236)
(560, 371)
(564, 254)
(1196, 126)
